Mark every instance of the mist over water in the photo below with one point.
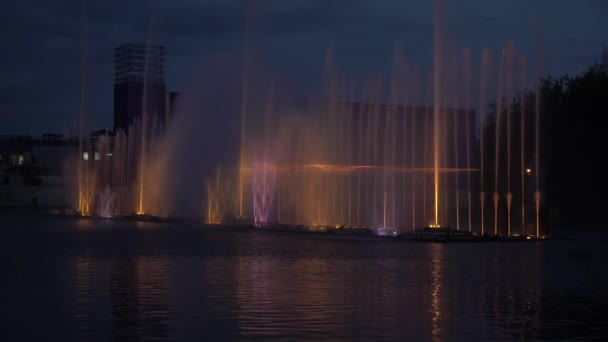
(396, 151)
(202, 134)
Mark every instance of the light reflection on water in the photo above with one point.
(69, 280)
(436, 260)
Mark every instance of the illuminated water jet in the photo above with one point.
(537, 130)
(437, 55)
(384, 152)
(522, 131)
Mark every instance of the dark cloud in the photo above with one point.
(43, 42)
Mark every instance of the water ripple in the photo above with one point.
(185, 283)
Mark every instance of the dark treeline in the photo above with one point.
(572, 144)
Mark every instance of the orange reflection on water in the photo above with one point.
(436, 256)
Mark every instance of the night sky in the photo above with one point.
(43, 43)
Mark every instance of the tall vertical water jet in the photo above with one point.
(426, 142)
(405, 136)
(537, 129)
(375, 141)
(452, 118)
(244, 99)
(142, 158)
(509, 71)
(522, 143)
(267, 116)
(485, 61)
(146, 121)
(499, 109)
(444, 163)
(413, 158)
(394, 162)
(82, 172)
(386, 147)
(362, 148)
(350, 147)
(437, 54)
(467, 99)
(456, 174)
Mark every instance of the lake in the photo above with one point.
(96, 280)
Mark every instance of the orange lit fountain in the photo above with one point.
(388, 154)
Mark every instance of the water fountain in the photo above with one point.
(346, 164)
(110, 173)
(390, 155)
(107, 203)
(218, 192)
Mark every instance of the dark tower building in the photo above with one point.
(139, 85)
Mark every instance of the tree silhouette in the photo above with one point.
(573, 144)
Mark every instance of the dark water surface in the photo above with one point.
(84, 280)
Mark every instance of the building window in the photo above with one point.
(20, 160)
(85, 156)
(96, 155)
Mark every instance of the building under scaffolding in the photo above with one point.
(139, 85)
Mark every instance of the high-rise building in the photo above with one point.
(139, 85)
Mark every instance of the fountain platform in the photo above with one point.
(445, 234)
(338, 232)
(131, 217)
(426, 234)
